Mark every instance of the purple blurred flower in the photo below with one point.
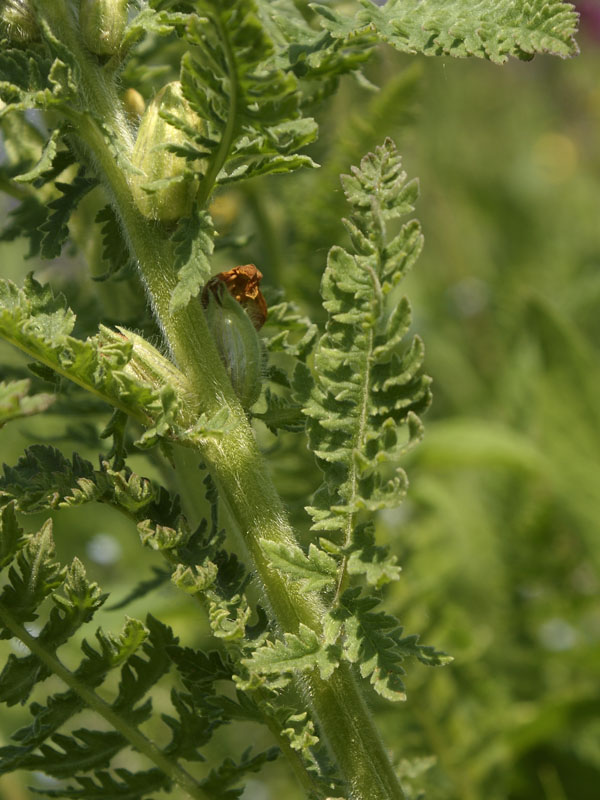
(590, 17)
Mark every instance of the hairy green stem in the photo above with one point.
(348, 728)
(233, 458)
(131, 733)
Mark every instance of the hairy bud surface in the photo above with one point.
(165, 187)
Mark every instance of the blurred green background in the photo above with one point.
(499, 536)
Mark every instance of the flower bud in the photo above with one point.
(17, 21)
(134, 104)
(166, 189)
(102, 24)
(146, 364)
(237, 342)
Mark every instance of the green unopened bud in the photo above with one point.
(102, 24)
(238, 344)
(17, 21)
(166, 189)
(134, 104)
(146, 364)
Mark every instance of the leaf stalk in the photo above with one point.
(130, 732)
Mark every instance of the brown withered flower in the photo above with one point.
(242, 283)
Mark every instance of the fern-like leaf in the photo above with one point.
(371, 560)
(41, 325)
(193, 246)
(229, 772)
(492, 30)
(363, 409)
(375, 641)
(102, 785)
(142, 653)
(289, 339)
(297, 653)
(33, 577)
(251, 106)
(114, 248)
(309, 53)
(316, 568)
(46, 159)
(28, 81)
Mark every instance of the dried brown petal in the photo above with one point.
(242, 283)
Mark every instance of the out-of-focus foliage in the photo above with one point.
(498, 539)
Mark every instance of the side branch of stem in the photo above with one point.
(129, 732)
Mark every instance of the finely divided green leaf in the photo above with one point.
(251, 106)
(26, 220)
(120, 368)
(25, 80)
(11, 535)
(309, 53)
(36, 575)
(194, 245)
(230, 772)
(55, 228)
(315, 568)
(297, 653)
(287, 330)
(83, 751)
(280, 414)
(492, 30)
(370, 560)
(45, 162)
(363, 407)
(103, 786)
(375, 641)
(161, 23)
(114, 247)
(44, 479)
(141, 652)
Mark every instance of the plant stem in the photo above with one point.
(233, 458)
(348, 728)
(135, 738)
